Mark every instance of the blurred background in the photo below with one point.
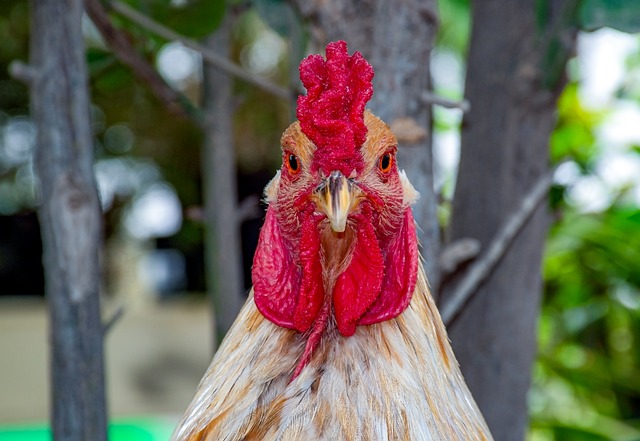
(586, 382)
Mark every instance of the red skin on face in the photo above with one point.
(376, 285)
(359, 285)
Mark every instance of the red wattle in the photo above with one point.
(400, 274)
(276, 278)
(359, 285)
(288, 293)
(311, 296)
(377, 285)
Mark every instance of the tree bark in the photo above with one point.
(70, 219)
(396, 37)
(222, 238)
(514, 76)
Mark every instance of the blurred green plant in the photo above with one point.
(585, 383)
(623, 15)
(574, 136)
(191, 18)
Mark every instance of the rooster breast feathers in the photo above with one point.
(396, 380)
(393, 380)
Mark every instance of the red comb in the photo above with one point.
(331, 114)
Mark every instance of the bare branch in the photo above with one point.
(457, 253)
(208, 55)
(127, 54)
(481, 269)
(22, 72)
(249, 208)
(115, 318)
(430, 98)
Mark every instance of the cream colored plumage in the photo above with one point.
(396, 380)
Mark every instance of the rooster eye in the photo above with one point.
(292, 163)
(385, 163)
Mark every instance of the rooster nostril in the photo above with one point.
(336, 181)
(336, 198)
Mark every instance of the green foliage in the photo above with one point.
(585, 383)
(455, 27)
(16, 177)
(191, 18)
(574, 135)
(623, 15)
(107, 71)
(631, 86)
(556, 23)
(14, 38)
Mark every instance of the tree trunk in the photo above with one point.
(396, 37)
(515, 73)
(70, 219)
(222, 239)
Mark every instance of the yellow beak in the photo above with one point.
(337, 197)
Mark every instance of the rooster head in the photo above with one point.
(339, 244)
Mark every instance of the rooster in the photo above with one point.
(340, 338)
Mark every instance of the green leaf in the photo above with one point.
(115, 77)
(574, 136)
(191, 18)
(570, 433)
(99, 60)
(623, 15)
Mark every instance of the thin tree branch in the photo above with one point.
(456, 253)
(127, 54)
(22, 72)
(249, 208)
(208, 55)
(481, 268)
(115, 318)
(430, 98)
